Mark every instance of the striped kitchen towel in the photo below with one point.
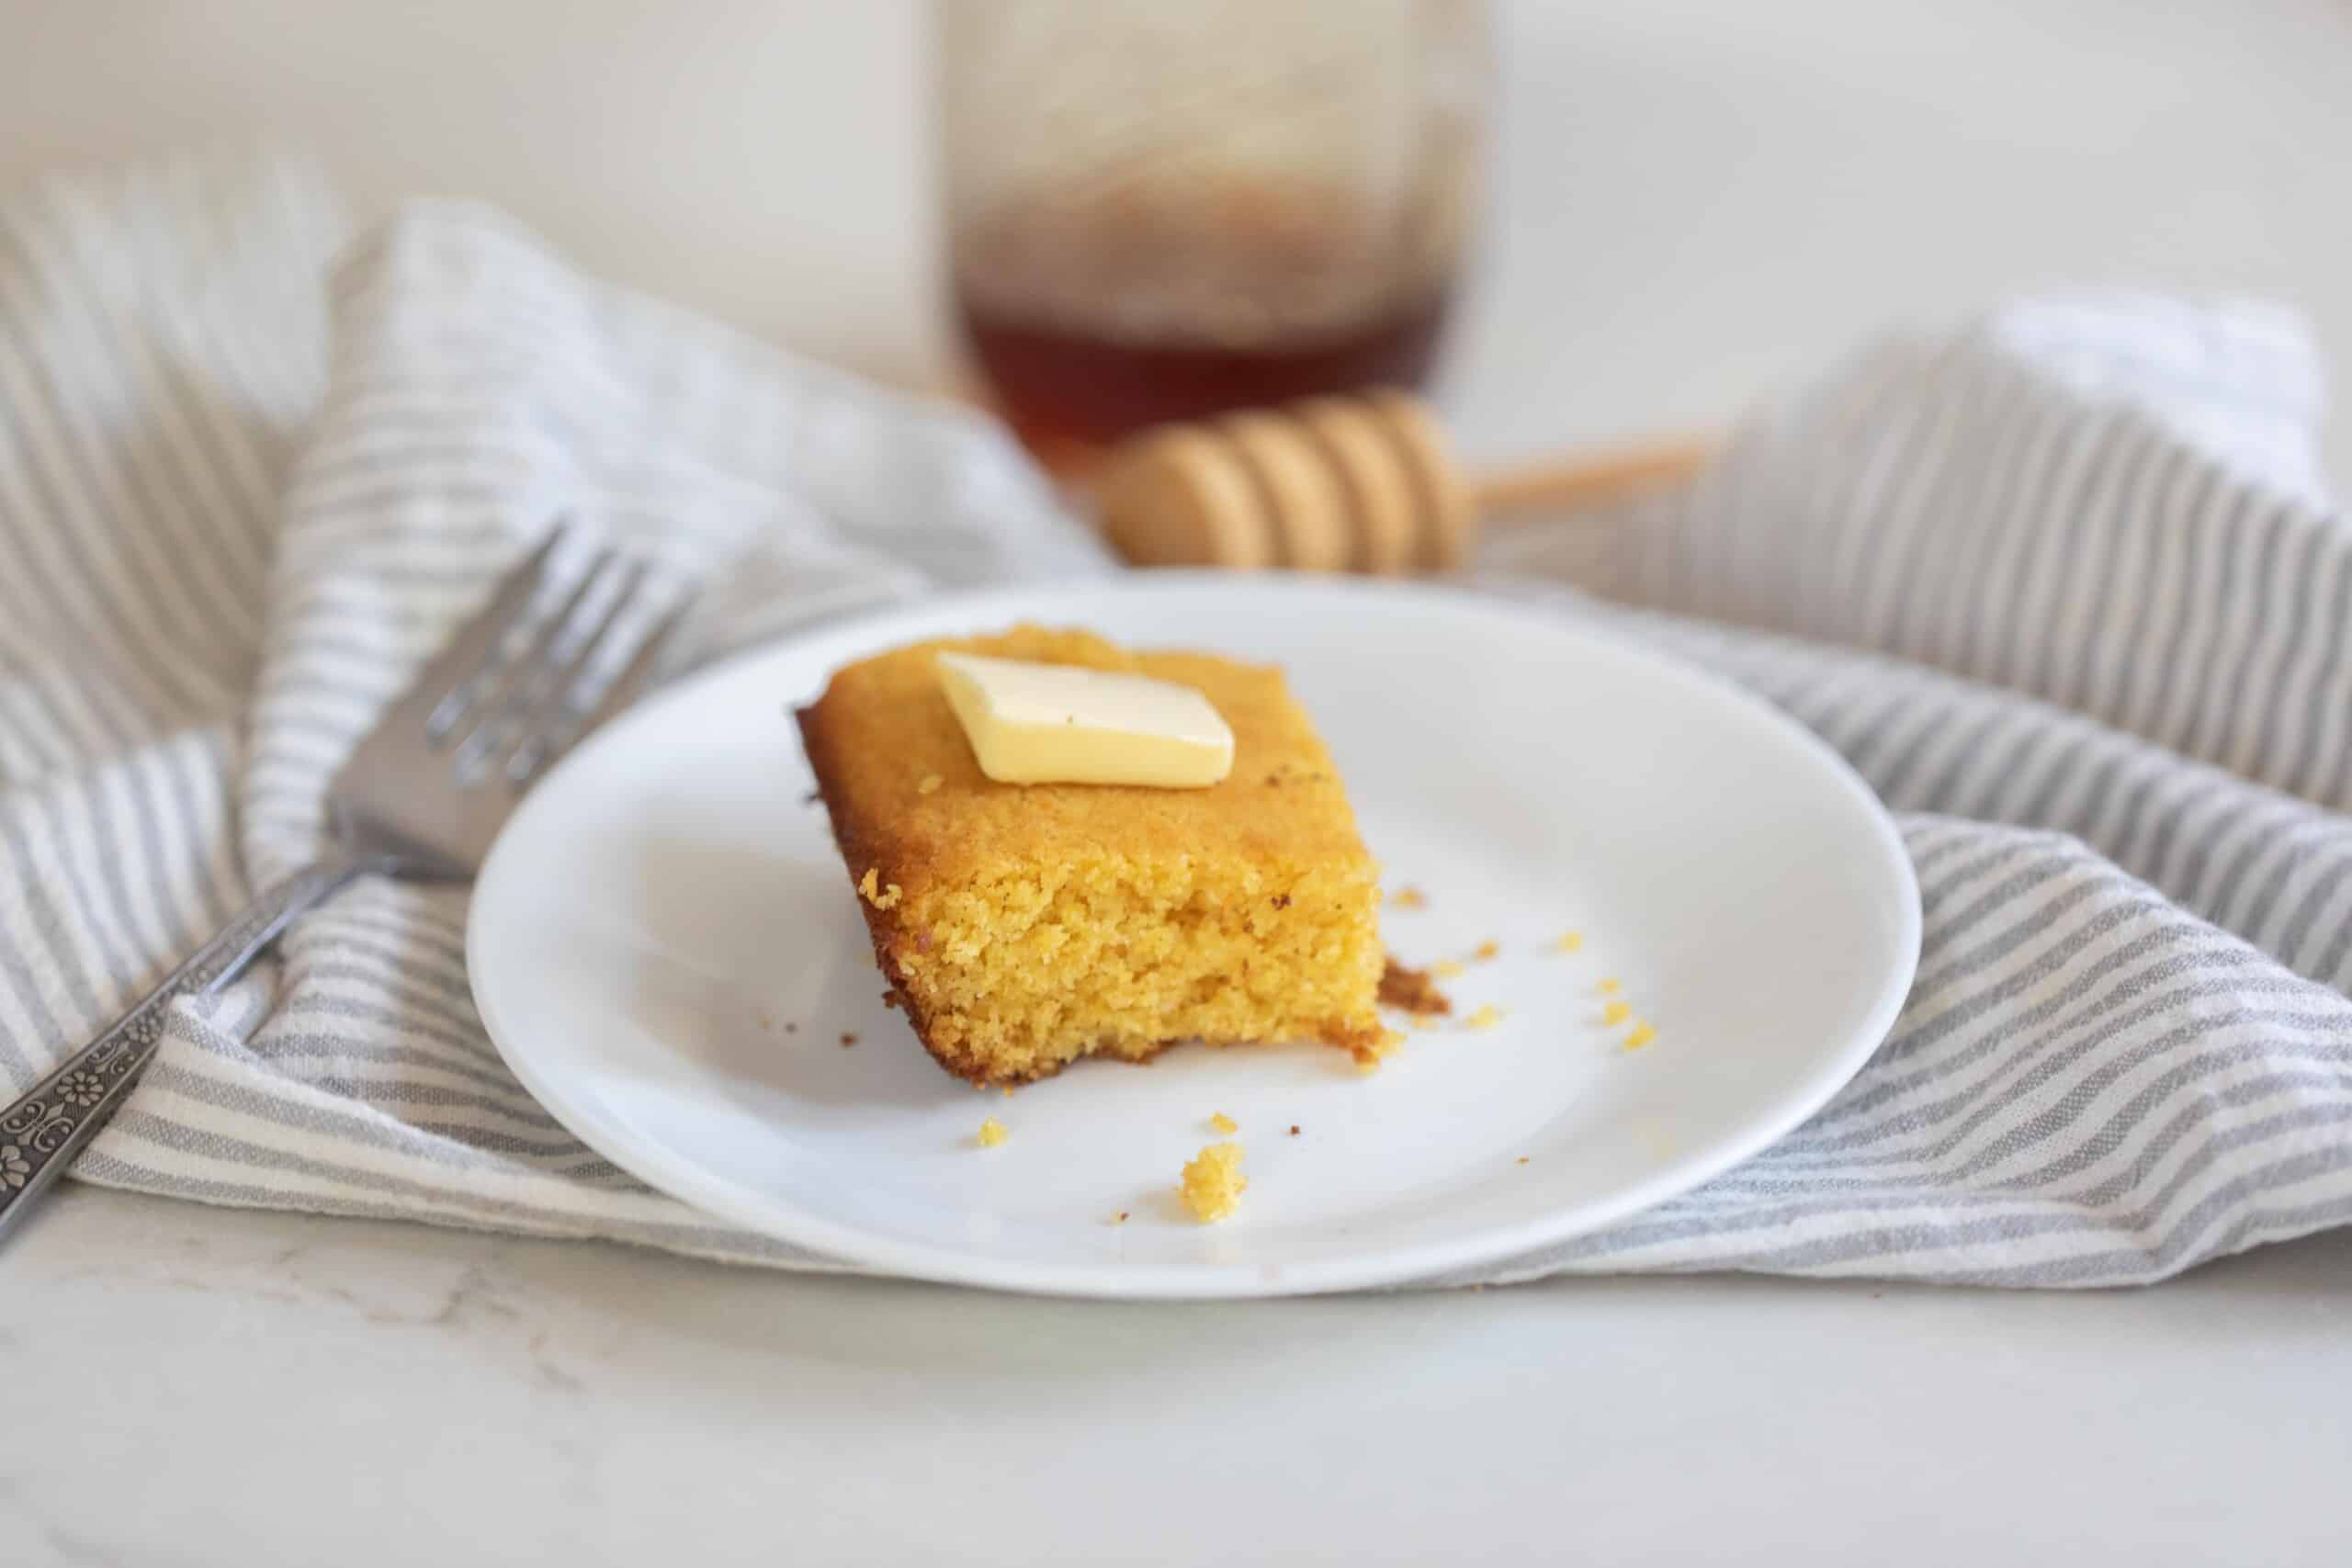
(2064, 586)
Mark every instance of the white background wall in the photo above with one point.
(1697, 198)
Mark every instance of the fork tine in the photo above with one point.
(543, 742)
(444, 686)
(529, 742)
(637, 673)
(514, 686)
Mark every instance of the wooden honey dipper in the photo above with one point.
(1363, 483)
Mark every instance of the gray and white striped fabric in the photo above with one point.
(2063, 585)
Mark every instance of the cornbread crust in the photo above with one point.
(1024, 926)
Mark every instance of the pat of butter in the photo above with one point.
(1060, 724)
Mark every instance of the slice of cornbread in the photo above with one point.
(1022, 926)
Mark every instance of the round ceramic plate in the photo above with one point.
(666, 948)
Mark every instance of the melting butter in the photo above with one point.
(1062, 724)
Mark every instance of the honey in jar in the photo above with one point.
(1162, 212)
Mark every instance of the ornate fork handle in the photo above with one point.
(42, 1131)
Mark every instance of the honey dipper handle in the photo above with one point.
(1572, 484)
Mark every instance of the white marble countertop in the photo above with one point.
(1696, 203)
(202, 1386)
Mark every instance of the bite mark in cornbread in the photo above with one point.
(1024, 926)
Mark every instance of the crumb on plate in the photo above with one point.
(1568, 942)
(1523, 1159)
(1641, 1035)
(1607, 986)
(1293, 1129)
(1487, 950)
(1411, 989)
(991, 1132)
(1384, 1046)
(1214, 1182)
(1410, 899)
(1617, 1011)
(1225, 1123)
(848, 1040)
(1486, 1016)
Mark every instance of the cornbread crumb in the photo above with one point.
(991, 1132)
(1384, 1046)
(1568, 942)
(1293, 1129)
(1225, 1123)
(1411, 990)
(848, 1040)
(1120, 1218)
(1214, 1182)
(1607, 986)
(1445, 969)
(1487, 950)
(1486, 1016)
(1523, 1159)
(886, 898)
(1008, 1091)
(929, 782)
(1642, 1034)
(1617, 1011)
(1410, 899)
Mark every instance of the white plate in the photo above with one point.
(664, 904)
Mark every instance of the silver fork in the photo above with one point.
(421, 798)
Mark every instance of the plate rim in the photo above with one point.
(858, 1249)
